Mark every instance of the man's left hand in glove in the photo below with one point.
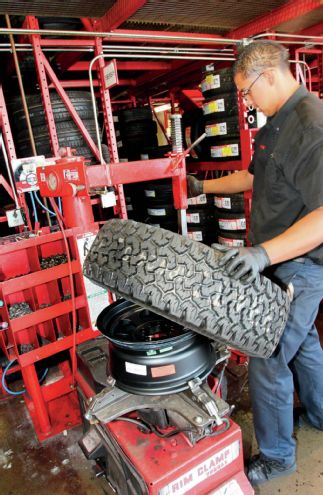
(245, 263)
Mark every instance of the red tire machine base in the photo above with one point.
(172, 466)
(137, 462)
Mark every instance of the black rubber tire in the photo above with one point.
(81, 101)
(105, 153)
(225, 127)
(62, 128)
(199, 216)
(231, 221)
(231, 203)
(136, 144)
(135, 114)
(198, 234)
(139, 128)
(43, 145)
(160, 190)
(222, 104)
(224, 149)
(181, 280)
(161, 210)
(163, 223)
(157, 151)
(232, 239)
(35, 100)
(217, 81)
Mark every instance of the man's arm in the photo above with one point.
(234, 183)
(299, 239)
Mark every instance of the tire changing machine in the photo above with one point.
(154, 422)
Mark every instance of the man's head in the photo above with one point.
(263, 77)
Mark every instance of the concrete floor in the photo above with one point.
(308, 479)
(57, 466)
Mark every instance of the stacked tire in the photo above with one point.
(160, 205)
(200, 216)
(231, 219)
(67, 132)
(220, 110)
(138, 131)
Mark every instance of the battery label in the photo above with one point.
(202, 471)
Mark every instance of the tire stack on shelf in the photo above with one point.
(138, 131)
(200, 216)
(137, 201)
(220, 110)
(231, 219)
(159, 204)
(67, 132)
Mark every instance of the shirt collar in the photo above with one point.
(279, 117)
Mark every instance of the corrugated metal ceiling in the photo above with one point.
(208, 16)
(211, 16)
(57, 8)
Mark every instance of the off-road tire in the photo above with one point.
(181, 279)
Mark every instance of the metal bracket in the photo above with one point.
(200, 410)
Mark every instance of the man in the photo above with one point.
(286, 175)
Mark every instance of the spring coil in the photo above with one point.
(176, 133)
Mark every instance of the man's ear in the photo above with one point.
(270, 75)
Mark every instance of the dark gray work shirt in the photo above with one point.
(288, 169)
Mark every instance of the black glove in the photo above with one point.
(245, 263)
(194, 186)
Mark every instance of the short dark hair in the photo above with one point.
(260, 55)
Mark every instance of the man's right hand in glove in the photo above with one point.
(194, 186)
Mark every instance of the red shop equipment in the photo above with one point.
(45, 306)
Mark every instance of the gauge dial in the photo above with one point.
(52, 181)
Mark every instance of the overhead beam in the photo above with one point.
(316, 30)
(118, 14)
(268, 22)
(85, 83)
(140, 36)
(125, 65)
